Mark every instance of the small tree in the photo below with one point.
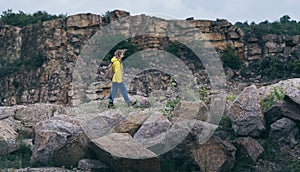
(231, 59)
(285, 19)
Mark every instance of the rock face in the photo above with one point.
(122, 153)
(246, 114)
(60, 43)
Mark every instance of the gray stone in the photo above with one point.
(249, 147)
(290, 110)
(122, 153)
(8, 139)
(185, 135)
(83, 20)
(34, 113)
(266, 166)
(284, 128)
(296, 51)
(246, 114)
(92, 165)
(152, 133)
(273, 47)
(58, 139)
(273, 114)
(103, 123)
(133, 122)
(191, 110)
(269, 37)
(214, 155)
(6, 112)
(294, 94)
(296, 39)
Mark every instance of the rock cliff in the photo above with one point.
(38, 60)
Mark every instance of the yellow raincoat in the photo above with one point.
(118, 70)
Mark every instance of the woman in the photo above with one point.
(117, 81)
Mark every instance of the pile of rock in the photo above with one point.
(91, 136)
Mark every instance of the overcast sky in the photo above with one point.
(232, 10)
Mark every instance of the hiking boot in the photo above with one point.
(131, 103)
(110, 104)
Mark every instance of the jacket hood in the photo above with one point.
(114, 59)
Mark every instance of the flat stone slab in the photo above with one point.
(122, 153)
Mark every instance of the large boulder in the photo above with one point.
(34, 113)
(185, 135)
(285, 85)
(282, 109)
(284, 130)
(122, 153)
(153, 132)
(102, 124)
(214, 155)
(57, 139)
(293, 94)
(246, 114)
(290, 110)
(191, 110)
(133, 122)
(273, 114)
(249, 148)
(8, 139)
(6, 112)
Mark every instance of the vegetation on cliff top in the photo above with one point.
(21, 19)
(285, 26)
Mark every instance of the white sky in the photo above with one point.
(232, 10)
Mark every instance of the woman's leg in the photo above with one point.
(124, 92)
(114, 89)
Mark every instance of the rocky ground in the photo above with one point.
(259, 131)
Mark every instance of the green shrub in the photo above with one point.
(169, 107)
(126, 44)
(285, 26)
(270, 68)
(230, 97)
(21, 64)
(203, 91)
(225, 124)
(295, 66)
(174, 48)
(17, 159)
(274, 67)
(270, 147)
(276, 94)
(22, 19)
(231, 59)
